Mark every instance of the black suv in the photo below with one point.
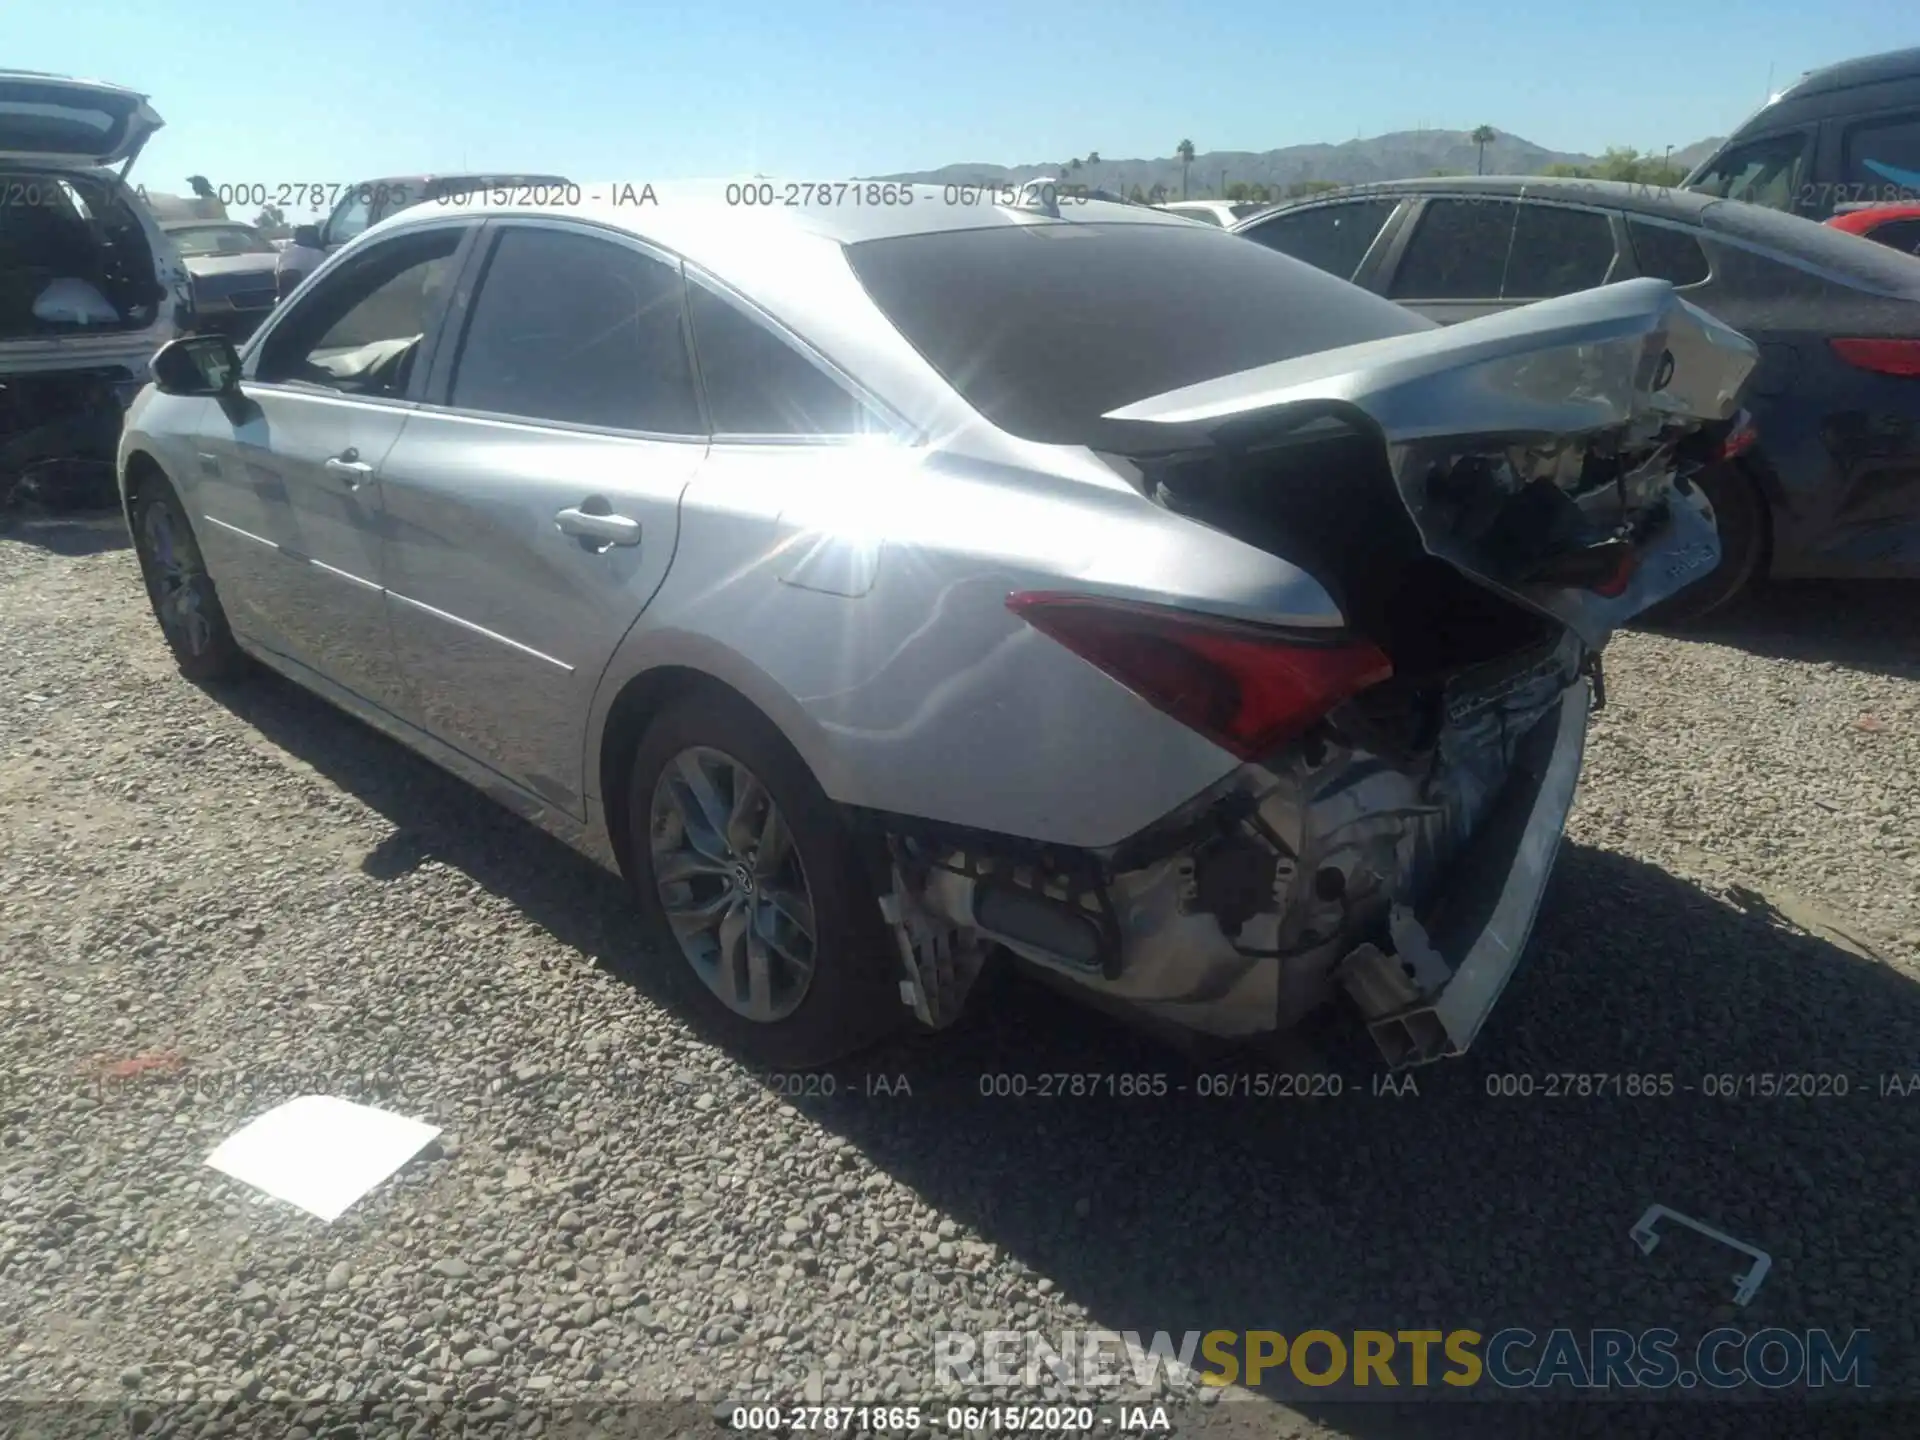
(1844, 135)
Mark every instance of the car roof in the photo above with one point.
(462, 177)
(1659, 200)
(694, 216)
(1866, 70)
(1805, 242)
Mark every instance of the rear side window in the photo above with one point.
(1667, 254)
(1333, 238)
(1883, 159)
(1458, 251)
(576, 329)
(757, 384)
(1557, 251)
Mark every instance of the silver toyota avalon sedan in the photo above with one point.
(884, 584)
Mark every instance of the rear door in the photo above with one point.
(1451, 263)
(533, 503)
(1466, 256)
(290, 473)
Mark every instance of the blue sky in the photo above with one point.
(347, 89)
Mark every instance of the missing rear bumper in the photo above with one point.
(1486, 912)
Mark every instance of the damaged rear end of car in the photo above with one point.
(1485, 504)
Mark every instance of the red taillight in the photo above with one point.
(1245, 687)
(1884, 357)
(1615, 585)
(1740, 439)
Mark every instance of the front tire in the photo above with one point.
(751, 886)
(1740, 514)
(179, 588)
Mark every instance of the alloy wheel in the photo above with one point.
(175, 578)
(732, 884)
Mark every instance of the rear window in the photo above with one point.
(1044, 328)
(57, 129)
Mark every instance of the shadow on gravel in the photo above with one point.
(1871, 625)
(1457, 1208)
(92, 532)
(1453, 1207)
(439, 818)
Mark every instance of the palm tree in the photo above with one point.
(1185, 151)
(1093, 157)
(1483, 136)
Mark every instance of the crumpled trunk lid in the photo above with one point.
(1542, 451)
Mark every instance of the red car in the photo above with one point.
(1896, 224)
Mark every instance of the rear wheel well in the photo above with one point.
(643, 697)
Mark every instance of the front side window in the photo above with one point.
(352, 216)
(1556, 251)
(361, 329)
(1458, 251)
(581, 330)
(1767, 172)
(757, 384)
(1333, 238)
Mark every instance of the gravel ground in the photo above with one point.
(618, 1212)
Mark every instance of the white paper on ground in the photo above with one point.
(320, 1152)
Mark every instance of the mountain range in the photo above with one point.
(1402, 155)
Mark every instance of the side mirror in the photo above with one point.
(197, 365)
(308, 236)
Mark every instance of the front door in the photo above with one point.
(533, 500)
(291, 470)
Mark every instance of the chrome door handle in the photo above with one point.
(607, 529)
(355, 472)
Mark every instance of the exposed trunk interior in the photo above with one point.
(1323, 497)
(73, 259)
